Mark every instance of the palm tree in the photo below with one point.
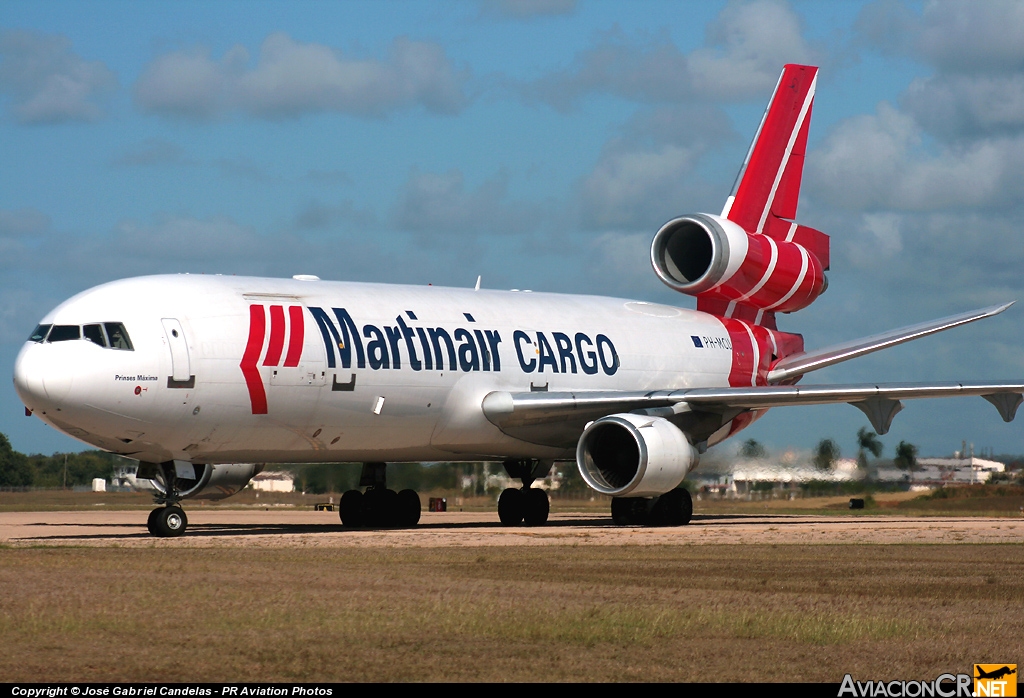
(906, 456)
(826, 455)
(867, 442)
(752, 448)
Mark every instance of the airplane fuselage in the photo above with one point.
(236, 369)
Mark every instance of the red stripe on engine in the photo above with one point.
(296, 337)
(276, 336)
(253, 349)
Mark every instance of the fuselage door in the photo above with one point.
(181, 368)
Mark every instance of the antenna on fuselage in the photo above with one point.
(477, 287)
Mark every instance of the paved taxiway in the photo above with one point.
(290, 528)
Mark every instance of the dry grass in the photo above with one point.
(658, 613)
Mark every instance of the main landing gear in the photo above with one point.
(670, 509)
(169, 520)
(378, 507)
(529, 505)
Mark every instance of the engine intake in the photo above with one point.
(630, 455)
(713, 257)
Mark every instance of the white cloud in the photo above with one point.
(619, 191)
(619, 262)
(48, 81)
(968, 36)
(966, 106)
(23, 221)
(879, 162)
(647, 174)
(878, 238)
(435, 203)
(291, 78)
(189, 83)
(745, 50)
(748, 45)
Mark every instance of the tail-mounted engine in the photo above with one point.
(631, 455)
(754, 260)
(713, 258)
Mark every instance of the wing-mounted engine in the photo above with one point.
(202, 481)
(713, 258)
(632, 455)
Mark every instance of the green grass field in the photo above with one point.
(560, 613)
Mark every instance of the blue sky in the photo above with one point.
(538, 143)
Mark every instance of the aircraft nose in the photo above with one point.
(29, 372)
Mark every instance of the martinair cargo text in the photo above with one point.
(204, 379)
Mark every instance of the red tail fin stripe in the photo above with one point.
(766, 173)
(251, 356)
(296, 336)
(276, 336)
(804, 109)
(787, 197)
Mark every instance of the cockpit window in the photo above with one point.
(94, 333)
(118, 336)
(39, 333)
(64, 333)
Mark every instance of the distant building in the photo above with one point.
(124, 476)
(274, 481)
(944, 471)
(735, 477)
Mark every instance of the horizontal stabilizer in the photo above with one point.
(805, 362)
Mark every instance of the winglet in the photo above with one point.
(799, 364)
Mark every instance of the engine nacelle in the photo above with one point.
(211, 482)
(710, 256)
(630, 455)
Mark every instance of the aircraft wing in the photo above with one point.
(544, 415)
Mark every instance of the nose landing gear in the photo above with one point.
(169, 520)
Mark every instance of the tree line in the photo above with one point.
(79, 469)
(57, 470)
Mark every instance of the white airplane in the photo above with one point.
(200, 377)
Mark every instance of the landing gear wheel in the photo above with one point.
(151, 522)
(511, 507)
(170, 522)
(408, 508)
(351, 510)
(536, 506)
(630, 511)
(380, 508)
(673, 509)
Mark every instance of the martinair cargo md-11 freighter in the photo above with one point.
(201, 377)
